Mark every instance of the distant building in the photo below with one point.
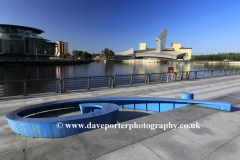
(98, 55)
(62, 47)
(187, 50)
(175, 52)
(142, 46)
(21, 42)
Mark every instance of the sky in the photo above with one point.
(208, 26)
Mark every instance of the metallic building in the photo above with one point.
(61, 48)
(161, 52)
(21, 42)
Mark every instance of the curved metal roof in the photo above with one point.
(23, 27)
(163, 34)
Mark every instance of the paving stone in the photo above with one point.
(100, 141)
(135, 151)
(13, 155)
(10, 142)
(225, 125)
(65, 148)
(231, 150)
(171, 146)
(206, 136)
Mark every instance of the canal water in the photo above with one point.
(25, 72)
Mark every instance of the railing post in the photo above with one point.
(175, 76)
(211, 73)
(162, 77)
(146, 78)
(60, 83)
(113, 81)
(238, 71)
(217, 73)
(149, 78)
(63, 85)
(131, 80)
(234, 71)
(56, 85)
(181, 75)
(88, 87)
(224, 72)
(229, 72)
(25, 88)
(195, 74)
(186, 74)
(109, 84)
(203, 74)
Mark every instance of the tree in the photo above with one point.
(77, 53)
(86, 55)
(111, 54)
(93, 55)
(63, 55)
(108, 53)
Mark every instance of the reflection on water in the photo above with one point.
(22, 72)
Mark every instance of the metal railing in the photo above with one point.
(25, 87)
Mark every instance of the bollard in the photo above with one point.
(203, 74)
(162, 77)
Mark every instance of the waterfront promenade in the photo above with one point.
(218, 137)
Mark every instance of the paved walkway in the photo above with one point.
(218, 137)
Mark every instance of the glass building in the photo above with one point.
(21, 42)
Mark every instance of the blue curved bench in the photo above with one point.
(97, 111)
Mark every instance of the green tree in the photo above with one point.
(63, 55)
(108, 53)
(93, 55)
(77, 53)
(86, 55)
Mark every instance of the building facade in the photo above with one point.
(142, 46)
(61, 48)
(21, 42)
(187, 50)
(161, 52)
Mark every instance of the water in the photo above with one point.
(23, 72)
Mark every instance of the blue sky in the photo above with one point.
(208, 26)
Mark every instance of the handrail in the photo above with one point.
(61, 85)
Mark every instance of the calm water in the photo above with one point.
(22, 72)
